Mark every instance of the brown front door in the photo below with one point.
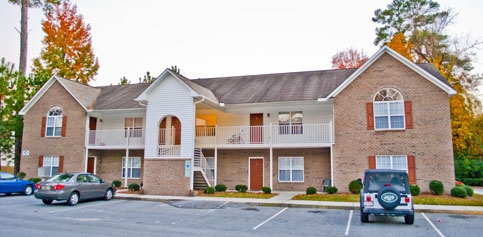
(256, 128)
(256, 174)
(92, 127)
(90, 164)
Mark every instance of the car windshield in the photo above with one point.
(377, 181)
(61, 178)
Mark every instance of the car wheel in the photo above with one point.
(47, 201)
(409, 219)
(28, 190)
(364, 217)
(108, 195)
(73, 199)
(389, 198)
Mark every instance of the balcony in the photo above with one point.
(262, 136)
(116, 139)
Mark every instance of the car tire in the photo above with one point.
(109, 194)
(73, 199)
(389, 191)
(409, 219)
(28, 190)
(47, 201)
(364, 217)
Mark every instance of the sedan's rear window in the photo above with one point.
(61, 178)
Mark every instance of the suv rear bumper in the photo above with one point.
(384, 212)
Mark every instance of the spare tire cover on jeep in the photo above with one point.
(389, 198)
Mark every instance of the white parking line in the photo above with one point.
(278, 213)
(431, 223)
(349, 223)
(76, 208)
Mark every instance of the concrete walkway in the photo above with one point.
(285, 199)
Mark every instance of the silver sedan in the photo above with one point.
(73, 187)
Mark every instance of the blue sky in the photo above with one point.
(222, 38)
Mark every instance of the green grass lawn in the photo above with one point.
(426, 199)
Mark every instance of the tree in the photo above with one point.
(419, 26)
(124, 81)
(24, 5)
(350, 58)
(175, 69)
(67, 48)
(15, 91)
(147, 78)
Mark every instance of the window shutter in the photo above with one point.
(370, 116)
(43, 127)
(412, 169)
(408, 114)
(372, 162)
(61, 164)
(64, 126)
(41, 161)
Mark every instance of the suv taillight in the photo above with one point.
(368, 198)
(407, 199)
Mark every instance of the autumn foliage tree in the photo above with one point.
(349, 58)
(67, 48)
(415, 29)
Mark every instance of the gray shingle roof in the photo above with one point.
(280, 87)
(120, 96)
(86, 95)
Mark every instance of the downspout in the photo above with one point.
(192, 178)
(126, 161)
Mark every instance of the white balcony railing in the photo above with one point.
(116, 138)
(169, 150)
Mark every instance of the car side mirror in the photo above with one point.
(101, 181)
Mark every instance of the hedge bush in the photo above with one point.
(355, 187)
(35, 180)
(220, 188)
(241, 188)
(415, 190)
(116, 183)
(472, 181)
(331, 190)
(469, 190)
(209, 190)
(133, 187)
(21, 174)
(436, 187)
(266, 190)
(458, 191)
(311, 190)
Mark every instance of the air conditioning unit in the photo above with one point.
(43, 172)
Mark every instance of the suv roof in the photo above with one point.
(385, 171)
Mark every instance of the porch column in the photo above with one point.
(271, 157)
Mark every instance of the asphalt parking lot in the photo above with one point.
(27, 216)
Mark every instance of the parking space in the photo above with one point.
(131, 217)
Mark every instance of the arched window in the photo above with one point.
(54, 122)
(389, 110)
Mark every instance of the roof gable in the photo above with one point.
(83, 94)
(425, 70)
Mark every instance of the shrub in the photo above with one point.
(35, 180)
(116, 183)
(331, 190)
(241, 188)
(21, 174)
(209, 190)
(458, 191)
(133, 187)
(355, 187)
(220, 188)
(469, 190)
(266, 190)
(436, 187)
(415, 190)
(311, 190)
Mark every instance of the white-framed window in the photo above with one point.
(290, 169)
(135, 127)
(389, 110)
(397, 162)
(290, 122)
(133, 167)
(51, 163)
(54, 122)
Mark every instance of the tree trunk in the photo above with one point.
(23, 36)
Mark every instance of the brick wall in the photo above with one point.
(109, 164)
(166, 177)
(429, 141)
(71, 146)
(233, 167)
